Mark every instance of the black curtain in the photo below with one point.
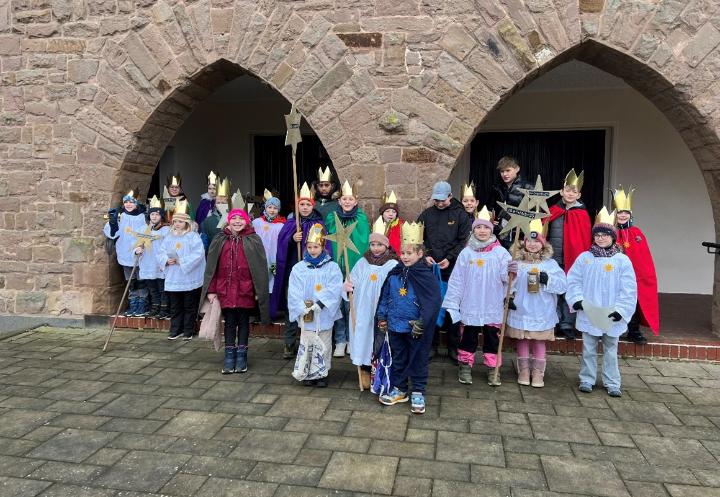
(273, 165)
(551, 154)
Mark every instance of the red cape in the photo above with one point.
(394, 235)
(633, 241)
(577, 236)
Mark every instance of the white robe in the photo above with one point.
(368, 282)
(268, 233)
(125, 236)
(537, 311)
(322, 284)
(188, 273)
(476, 288)
(150, 269)
(602, 282)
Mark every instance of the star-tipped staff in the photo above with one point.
(538, 197)
(292, 138)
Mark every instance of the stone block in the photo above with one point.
(457, 41)
(65, 46)
(591, 6)
(587, 477)
(30, 302)
(360, 473)
(82, 70)
(361, 40)
(704, 41)
(518, 46)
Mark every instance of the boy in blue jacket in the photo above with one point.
(408, 308)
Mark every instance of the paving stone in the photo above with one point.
(21, 487)
(445, 488)
(627, 427)
(271, 446)
(175, 377)
(16, 447)
(563, 429)
(696, 432)
(470, 448)
(209, 466)
(238, 392)
(127, 425)
(656, 474)
(67, 472)
(434, 469)
(519, 407)
(338, 443)
(17, 466)
(412, 487)
(688, 491)
(126, 365)
(195, 424)
(77, 390)
(315, 426)
(586, 477)
(402, 449)
(131, 406)
(247, 408)
(72, 445)
(494, 428)
(297, 491)
(585, 412)
(224, 487)
(540, 447)
(18, 422)
(616, 439)
(79, 421)
(507, 477)
(313, 457)
(195, 446)
(294, 406)
(468, 408)
(645, 411)
(707, 477)
(699, 395)
(618, 455)
(673, 452)
(142, 471)
(183, 484)
(189, 404)
(425, 423)
(106, 456)
(291, 474)
(132, 441)
(377, 425)
(522, 461)
(645, 489)
(260, 422)
(421, 436)
(360, 473)
(65, 490)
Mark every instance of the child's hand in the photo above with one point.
(212, 297)
(171, 262)
(578, 305)
(444, 264)
(298, 236)
(615, 316)
(348, 286)
(512, 267)
(382, 325)
(138, 250)
(417, 328)
(430, 260)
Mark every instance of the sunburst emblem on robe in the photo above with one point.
(608, 268)
(403, 292)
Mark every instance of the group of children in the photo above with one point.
(398, 280)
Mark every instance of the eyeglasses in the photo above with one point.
(602, 235)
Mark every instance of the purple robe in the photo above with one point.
(286, 258)
(204, 208)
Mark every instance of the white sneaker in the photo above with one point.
(339, 350)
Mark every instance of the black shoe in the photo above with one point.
(187, 338)
(309, 383)
(321, 383)
(568, 333)
(636, 337)
(174, 337)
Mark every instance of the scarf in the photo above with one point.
(627, 225)
(479, 246)
(605, 252)
(381, 259)
(315, 261)
(347, 215)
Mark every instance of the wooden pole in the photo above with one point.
(352, 309)
(297, 202)
(122, 301)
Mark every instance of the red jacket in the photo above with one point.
(232, 281)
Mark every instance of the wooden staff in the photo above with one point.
(352, 309)
(122, 301)
(292, 138)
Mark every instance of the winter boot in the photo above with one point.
(164, 312)
(538, 373)
(142, 307)
(154, 311)
(130, 311)
(230, 359)
(365, 379)
(636, 336)
(464, 374)
(241, 359)
(523, 368)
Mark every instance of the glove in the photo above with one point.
(615, 316)
(113, 221)
(417, 328)
(578, 305)
(543, 278)
(512, 267)
(511, 304)
(382, 325)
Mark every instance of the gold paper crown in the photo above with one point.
(305, 191)
(605, 217)
(212, 178)
(133, 193)
(174, 180)
(621, 200)
(537, 226)
(155, 203)
(468, 190)
(237, 201)
(575, 180)
(325, 175)
(379, 226)
(484, 214)
(267, 195)
(412, 233)
(316, 234)
(223, 188)
(390, 199)
(181, 207)
(347, 189)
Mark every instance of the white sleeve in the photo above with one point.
(456, 283)
(557, 281)
(195, 254)
(296, 302)
(574, 291)
(106, 232)
(627, 300)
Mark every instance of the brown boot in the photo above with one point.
(538, 373)
(365, 379)
(523, 368)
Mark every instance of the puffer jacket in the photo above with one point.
(446, 233)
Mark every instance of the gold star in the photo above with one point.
(403, 292)
(626, 244)
(538, 197)
(178, 245)
(128, 229)
(520, 216)
(480, 263)
(318, 287)
(608, 268)
(266, 228)
(292, 121)
(342, 236)
(373, 277)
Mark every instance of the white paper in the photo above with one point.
(599, 316)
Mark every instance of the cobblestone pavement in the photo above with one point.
(152, 417)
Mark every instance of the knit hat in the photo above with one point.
(380, 238)
(607, 229)
(483, 217)
(273, 201)
(389, 202)
(238, 212)
(483, 222)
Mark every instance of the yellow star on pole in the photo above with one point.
(342, 236)
(520, 216)
(292, 121)
(538, 197)
(144, 239)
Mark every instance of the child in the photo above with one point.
(470, 203)
(635, 246)
(236, 273)
(314, 297)
(389, 213)
(407, 310)
(214, 220)
(532, 316)
(348, 212)
(602, 283)
(124, 228)
(287, 256)
(207, 200)
(569, 235)
(174, 194)
(150, 271)
(366, 282)
(182, 255)
(476, 293)
(268, 227)
(507, 190)
(326, 197)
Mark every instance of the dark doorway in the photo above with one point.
(550, 154)
(273, 165)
